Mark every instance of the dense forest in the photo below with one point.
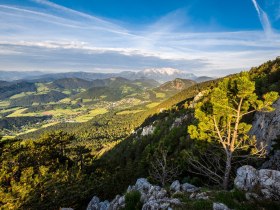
(66, 164)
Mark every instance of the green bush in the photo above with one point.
(132, 201)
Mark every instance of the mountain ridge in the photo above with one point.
(161, 75)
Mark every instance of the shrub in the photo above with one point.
(132, 201)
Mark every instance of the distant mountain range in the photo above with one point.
(160, 75)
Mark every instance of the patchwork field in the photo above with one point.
(129, 112)
(91, 114)
(152, 105)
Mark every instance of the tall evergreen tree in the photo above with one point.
(220, 119)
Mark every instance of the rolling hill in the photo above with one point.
(176, 85)
(8, 89)
(72, 83)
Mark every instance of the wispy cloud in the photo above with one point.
(263, 19)
(48, 36)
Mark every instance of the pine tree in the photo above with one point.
(220, 118)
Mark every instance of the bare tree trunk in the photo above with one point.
(227, 171)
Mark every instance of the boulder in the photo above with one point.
(220, 206)
(186, 187)
(270, 183)
(246, 178)
(175, 186)
(142, 185)
(265, 182)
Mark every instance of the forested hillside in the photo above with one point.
(74, 161)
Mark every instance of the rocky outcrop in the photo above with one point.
(262, 183)
(148, 130)
(153, 198)
(266, 126)
(179, 121)
(197, 98)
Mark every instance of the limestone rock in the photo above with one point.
(199, 196)
(148, 130)
(265, 182)
(179, 121)
(93, 204)
(270, 183)
(266, 125)
(142, 185)
(104, 205)
(220, 206)
(115, 204)
(196, 99)
(175, 186)
(186, 187)
(246, 178)
(273, 162)
(153, 198)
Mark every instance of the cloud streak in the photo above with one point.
(263, 19)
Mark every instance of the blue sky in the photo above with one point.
(204, 37)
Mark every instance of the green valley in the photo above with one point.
(86, 139)
(74, 100)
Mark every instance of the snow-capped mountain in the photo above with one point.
(165, 74)
(166, 71)
(160, 75)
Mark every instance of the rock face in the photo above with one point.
(273, 162)
(197, 98)
(148, 130)
(266, 125)
(179, 121)
(258, 183)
